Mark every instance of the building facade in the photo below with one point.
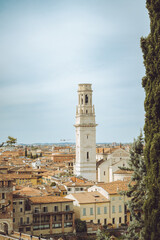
(85, 165)
(6, 205)
(44, 215)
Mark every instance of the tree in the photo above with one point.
(11, 141)
(102, 235)
(136, 190)
(81, 226)
(151, 84)
(1, 145)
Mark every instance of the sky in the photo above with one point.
(49, 47)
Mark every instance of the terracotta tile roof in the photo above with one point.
(123, 172)
(19, 176)
(114, 187)
(77, 184)
(48, 199)
(90, 197)
(4, 177)
(28, 191)
(78, 180)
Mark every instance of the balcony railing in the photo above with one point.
(52, 213)
(24, 223)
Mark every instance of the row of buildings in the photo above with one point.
(36, 212)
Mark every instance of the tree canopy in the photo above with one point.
(151, 84)
(136, 190)
(11, 141)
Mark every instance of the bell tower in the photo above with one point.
(85, 165)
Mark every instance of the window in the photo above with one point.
(28, 229)
(104, 173)
(13, 209)
(21, 220)
(69, 189)
(105, 221)
(99, 221)
(36, 210)
(9, 184)
(86, 98)
(120, 198)
(105, 210)
(45, 209)
(55, 218)
(120, 208)
(69, 224)
(57, 225)
(125, 208)
(113, 198)
(113, 209)
(81, 189)
(13, 219)
(66, 217)
(21, 209)
(14, 203)
(120, 219)
(55, 208)
(113, 220)
(87, 155)
(20, 202)
(91, 211)
(67, 208)
(98, 211)
(84, 211)
(3, 195)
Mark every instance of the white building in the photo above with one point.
(119, 158)
(85, 165)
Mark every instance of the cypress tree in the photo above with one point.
(151, 84)
(136, 190)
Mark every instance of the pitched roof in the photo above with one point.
(123, 172)
(90, 197)
(48, 199)
(28, 191)
(114, 187)
(78, 184)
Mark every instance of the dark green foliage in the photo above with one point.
(11, 141)
(80, 226)
(136, 191)
(151, 83)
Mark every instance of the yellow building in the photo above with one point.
(112, 191)
(91, 207)
(43, 215)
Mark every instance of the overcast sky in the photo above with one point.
(48, 47)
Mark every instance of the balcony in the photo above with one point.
(51, 213)
(24, 223)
